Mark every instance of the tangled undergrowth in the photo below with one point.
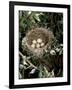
(37, 61)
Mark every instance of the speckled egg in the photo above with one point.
(37, 45)
(33, 45)
(39, 40)
(42, 44)
(34, 41)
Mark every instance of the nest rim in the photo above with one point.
(36, 33)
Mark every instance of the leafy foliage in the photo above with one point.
(51, 64)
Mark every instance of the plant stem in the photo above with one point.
(27, 60)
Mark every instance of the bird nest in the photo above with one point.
(37, 40)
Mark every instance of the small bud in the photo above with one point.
(29, 12)
(57, 49)
(24, 62)
(32, 71)
(52, 52)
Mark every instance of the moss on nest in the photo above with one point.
(34, 34)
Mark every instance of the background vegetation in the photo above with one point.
(52, 64)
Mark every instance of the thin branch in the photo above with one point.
(27, 60)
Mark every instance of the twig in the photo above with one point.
(27, 60)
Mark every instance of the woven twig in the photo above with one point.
(34, 34)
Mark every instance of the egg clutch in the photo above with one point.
(37, 43)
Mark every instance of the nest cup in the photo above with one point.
(34, 34)
(37, 33)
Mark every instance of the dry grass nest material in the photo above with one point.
(38, 33)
